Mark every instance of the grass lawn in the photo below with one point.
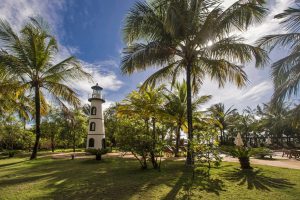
(117, 178)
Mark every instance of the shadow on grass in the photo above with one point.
(255, 179)
(12, 163)
(79, 179)
(187, 187)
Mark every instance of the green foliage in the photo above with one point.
(242, 152)
(133, 137)
(11, 153)
(13, 135)
(261, 152)
(205, 146)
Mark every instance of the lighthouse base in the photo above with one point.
(96, 141)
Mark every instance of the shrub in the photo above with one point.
(11, 153)
(261, 152)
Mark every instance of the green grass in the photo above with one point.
(117, 178)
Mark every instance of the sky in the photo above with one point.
(92, 31)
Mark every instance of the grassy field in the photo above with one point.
(117, 178)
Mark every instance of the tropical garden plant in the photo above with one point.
(191, 36)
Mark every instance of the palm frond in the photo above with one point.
(139, 56)
(271, 41)
(223, 71)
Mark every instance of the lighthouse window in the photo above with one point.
(94, 110)
(92, 126)
(91, 142)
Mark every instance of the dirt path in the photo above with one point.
(277, 160)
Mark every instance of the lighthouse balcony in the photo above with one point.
(96, 97)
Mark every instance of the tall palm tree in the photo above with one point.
(30, 57)
(286, 71)
(176, 109)
(222, 117)
(192, 36)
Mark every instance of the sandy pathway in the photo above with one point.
(277, 160)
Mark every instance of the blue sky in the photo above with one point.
(91, 30)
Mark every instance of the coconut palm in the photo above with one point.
(222, 117)
(286, 71)
(176, 109)
(30, 57)
(192, 36)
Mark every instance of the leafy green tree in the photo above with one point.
(206, 144)
(75, 124)
(30, 56)
(12, 135)
(132, 136)
(175, 108)
(51, 127)
(276, 120)
(286, 71)
(111, 124)
(195, 36)
(146, 105)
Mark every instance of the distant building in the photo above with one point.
(96, 131)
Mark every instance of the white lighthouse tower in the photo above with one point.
(96, 131)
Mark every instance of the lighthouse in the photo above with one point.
(96, 131)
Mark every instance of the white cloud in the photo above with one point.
(106, 79)
(16, 11)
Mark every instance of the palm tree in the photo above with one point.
(222, 117)
(286, 71)
(176, 109)
(30, 57)
(192, 36)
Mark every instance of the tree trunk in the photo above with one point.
(52, 145)
(245, 163)
(190, 157)
(152, 153)
(177, 140)
(37, 121)
(74, 142)
(52, 142)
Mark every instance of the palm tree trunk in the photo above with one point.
(152, 153)
(52, 143)
(189, 158)
(37, 121)
(177, 140)
(222, 136)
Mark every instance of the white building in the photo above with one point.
(96, 131)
